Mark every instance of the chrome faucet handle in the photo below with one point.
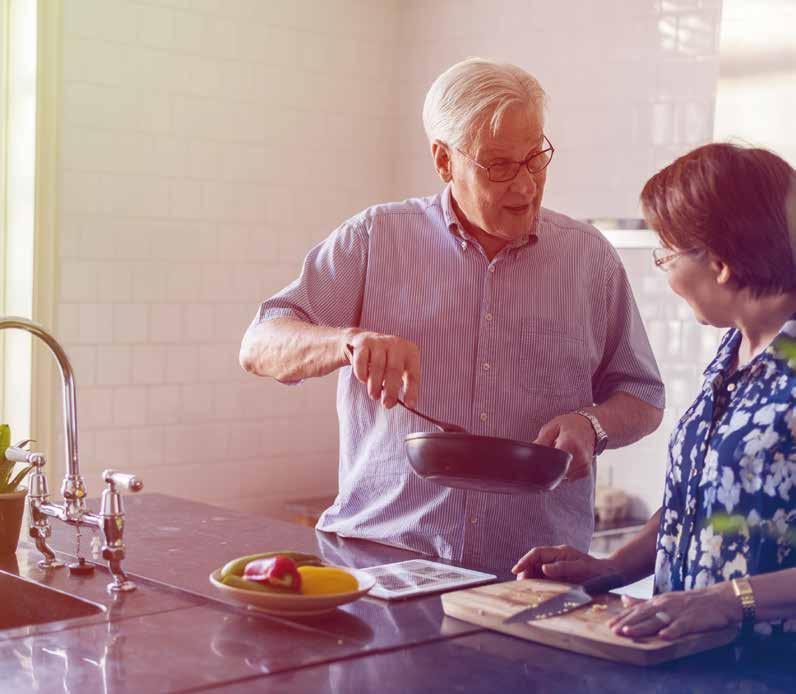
(112, 514)
(38, 494)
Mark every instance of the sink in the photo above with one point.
(26, 603)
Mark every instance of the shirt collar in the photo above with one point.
(454, 226)
(729, 346)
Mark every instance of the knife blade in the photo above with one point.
(571, 599)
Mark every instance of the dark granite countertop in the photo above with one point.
(175, 633)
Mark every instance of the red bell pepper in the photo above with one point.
(277, 572)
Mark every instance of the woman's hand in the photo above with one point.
(562, 563)
(679, 613)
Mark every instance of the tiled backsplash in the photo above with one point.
(683, 349)
(206, 145)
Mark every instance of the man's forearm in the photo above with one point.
(289, 349)
(636, 558)
(626, 419)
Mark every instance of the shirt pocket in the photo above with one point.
(553, 358)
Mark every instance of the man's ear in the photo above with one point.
(442, 160)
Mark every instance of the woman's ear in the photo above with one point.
(442, 160)
(722, 270)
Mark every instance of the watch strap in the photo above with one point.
(742, 587)
(600, 437)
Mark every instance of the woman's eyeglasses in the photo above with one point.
(663, 256)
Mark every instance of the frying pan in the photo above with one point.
(454, 458)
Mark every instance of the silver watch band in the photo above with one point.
(600, 437)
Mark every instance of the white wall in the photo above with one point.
(205, 145)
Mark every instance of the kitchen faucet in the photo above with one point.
(110, 520)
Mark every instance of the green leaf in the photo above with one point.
(5, 438)
(785, 348)
(19, 477)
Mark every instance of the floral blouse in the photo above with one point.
(729, 505)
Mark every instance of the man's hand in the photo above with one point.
(384, 363)
(562, 563)
(574, 434)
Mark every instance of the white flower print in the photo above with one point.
(728, 493)
(751, 469)
(711, 546)
(737, 566)
(741, 464)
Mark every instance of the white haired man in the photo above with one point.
(518, 316)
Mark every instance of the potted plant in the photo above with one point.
(12, 496)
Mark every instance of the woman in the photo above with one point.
(723, 544)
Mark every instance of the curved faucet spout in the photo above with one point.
(76, 490)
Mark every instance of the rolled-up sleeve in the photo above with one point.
(330, 288)
(628, 364)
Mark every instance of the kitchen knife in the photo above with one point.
(569, 600)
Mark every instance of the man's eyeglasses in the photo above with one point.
(662, 256)
(503, 171)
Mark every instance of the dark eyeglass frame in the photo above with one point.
(661, 260)
(518, 164)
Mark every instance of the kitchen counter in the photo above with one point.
(175, 634)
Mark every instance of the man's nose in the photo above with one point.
(524, 182)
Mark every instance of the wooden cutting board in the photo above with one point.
(583, 630)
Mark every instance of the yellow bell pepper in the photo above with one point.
(326, 580)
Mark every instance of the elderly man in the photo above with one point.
(520, 321)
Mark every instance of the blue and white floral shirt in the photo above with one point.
(729, 506)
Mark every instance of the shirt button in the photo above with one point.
(491, 268)
(730, 387)
(485, 366)
(464, 245)
(473, 519)
(488, 316)
(483, 416)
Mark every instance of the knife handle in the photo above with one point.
(602, 584)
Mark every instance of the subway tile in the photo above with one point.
(165, 322)
(78, 282)
(130, 406)
(219, 363)
(83, 359)
(114, 282)
(182, 364)
(94, 323)
(198, 321)
(130, 323)
(155, 26)
(149, 281)
(164, 405)
(114, 365)
(198, 405)
(148, 364)
(94, 407)
(146, 448)
(113, 449)
(182, 282)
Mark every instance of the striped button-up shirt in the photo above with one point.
(547, 326)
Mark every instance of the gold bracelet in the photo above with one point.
(742, 588)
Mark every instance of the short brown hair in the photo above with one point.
(731, 201)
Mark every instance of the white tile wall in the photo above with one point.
(206, 145)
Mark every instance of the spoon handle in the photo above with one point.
(445, 427)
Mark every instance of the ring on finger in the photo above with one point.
(664, 617)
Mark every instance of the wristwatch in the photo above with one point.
(600, 437)
(742, 588)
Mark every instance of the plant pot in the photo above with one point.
(12, 506)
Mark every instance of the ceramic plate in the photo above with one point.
(295, 604)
